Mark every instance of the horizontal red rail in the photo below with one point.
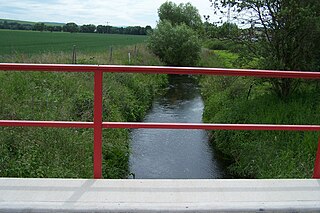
(134, 125)
(158, 70)
(59, 124)
(131, 125)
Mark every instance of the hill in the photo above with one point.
(32, 23)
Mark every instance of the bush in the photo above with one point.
(216, 44)
(262, 154)
(178, 46)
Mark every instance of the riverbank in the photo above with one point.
(68, 153)
(261, 154)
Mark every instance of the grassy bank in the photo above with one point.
(260, 154)
(50, 152)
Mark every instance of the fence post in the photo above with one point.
(129, 58)
(135, 51)
(74, 55)
(316, 170)
(97, 120)
(110, 57)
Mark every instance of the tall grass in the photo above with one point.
(51, 152)
(261, 154)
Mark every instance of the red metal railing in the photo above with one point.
(98, 123)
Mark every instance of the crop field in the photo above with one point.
(29, 42)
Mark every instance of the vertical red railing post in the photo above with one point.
(97, 120)
(316, 170)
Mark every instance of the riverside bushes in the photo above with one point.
(263, 154)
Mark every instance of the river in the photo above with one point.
(175, 154)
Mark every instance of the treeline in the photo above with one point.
(15, 26)
(74, 28)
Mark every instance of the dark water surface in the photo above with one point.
(174, 154)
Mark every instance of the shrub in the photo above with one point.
(178, 46)
(216, 44)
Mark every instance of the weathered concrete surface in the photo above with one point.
(81, 195)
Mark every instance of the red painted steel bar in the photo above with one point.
(133, 125)
(48, 67)
(58, 124)
(316, 170)
(158, 70)
(97, 120)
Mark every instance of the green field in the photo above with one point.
(29, 42)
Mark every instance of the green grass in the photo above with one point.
(50, 152)
(264, 154)
(218, 58)
(260, 154)
(29, 42)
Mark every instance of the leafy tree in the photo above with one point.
(88, 28)
(175, 39)
(148, 28)
(287, 37)
(5, 25)
(135, 30)
(15, 26)
(39, 27)
(211, 30)
(101, 29)
(228, 30)
(179, 14)
(70, 27)
(50, 28)
(178, 46)
(57, 28)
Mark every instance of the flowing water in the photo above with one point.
(175, 154)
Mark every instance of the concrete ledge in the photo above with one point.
(82, 195)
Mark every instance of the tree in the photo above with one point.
(178, 46)
(50, 28)
(179, 14)
(175, 39)
(228, 30)
(288, 36)
(101, 29)
(39, 27)
(148, 29)
(57, 28)
(211, 30)
(88, 28)
(70, 27)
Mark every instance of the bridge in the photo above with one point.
(102, 195)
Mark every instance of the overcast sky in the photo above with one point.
(113, 12)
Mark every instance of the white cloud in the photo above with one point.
(116, 12)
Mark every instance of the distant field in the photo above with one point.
(32, 23)
(29, 42)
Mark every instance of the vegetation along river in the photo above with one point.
(174, 154)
